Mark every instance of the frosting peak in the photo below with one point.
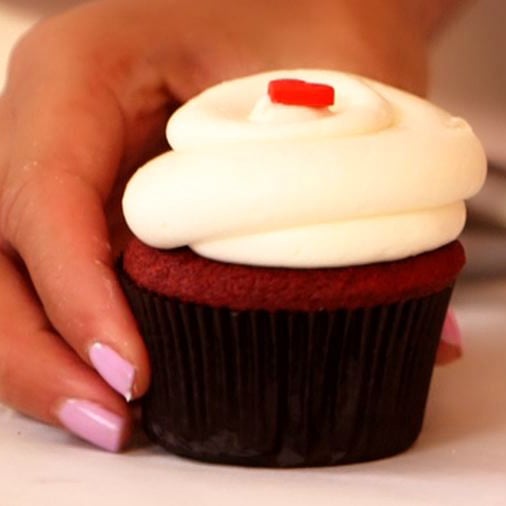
(379, 175)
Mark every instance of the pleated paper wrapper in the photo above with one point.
(285, 388)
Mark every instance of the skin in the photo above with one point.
(75, 126)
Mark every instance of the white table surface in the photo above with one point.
(460, 458)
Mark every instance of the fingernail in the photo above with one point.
(93, 423)
(117, 371)
(451, 332)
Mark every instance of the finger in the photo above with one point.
(61, 234)
(42, 377)
(69, 138)
(450, 346)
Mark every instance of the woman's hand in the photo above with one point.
(86, 102)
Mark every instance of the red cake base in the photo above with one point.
(182, 274)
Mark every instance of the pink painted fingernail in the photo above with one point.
(117, 371)
(93, 423)
(451, 332)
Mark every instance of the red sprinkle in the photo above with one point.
(298, 92)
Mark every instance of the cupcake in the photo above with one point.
(293, 263)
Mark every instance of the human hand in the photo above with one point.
(86, 102)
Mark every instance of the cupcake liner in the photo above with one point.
(284, 388)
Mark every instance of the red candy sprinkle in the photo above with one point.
(298, 92)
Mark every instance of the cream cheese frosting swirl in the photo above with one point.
(380, 175)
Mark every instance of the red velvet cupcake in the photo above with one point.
(302, 328)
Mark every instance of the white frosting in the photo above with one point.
(379, 176)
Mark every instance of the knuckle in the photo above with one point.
(16, 201)
(29, 57)
(30, 189)
(27, 50)
(46, 33)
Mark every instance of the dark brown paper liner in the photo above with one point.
(287, 389)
